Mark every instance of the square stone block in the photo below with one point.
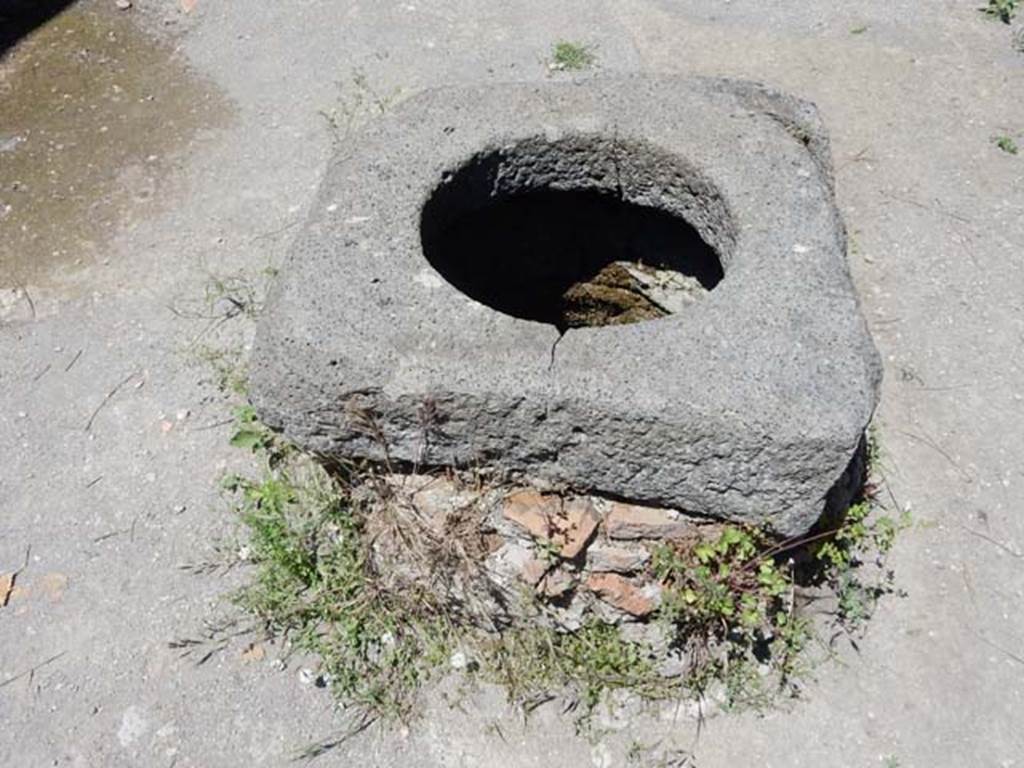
(634, 286)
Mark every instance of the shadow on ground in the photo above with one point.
(19, 17)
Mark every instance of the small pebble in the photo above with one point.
(458, 660)
(306, 676)
(123, 5)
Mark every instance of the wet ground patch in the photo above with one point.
(95, 112)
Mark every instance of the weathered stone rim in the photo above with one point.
(501, 177)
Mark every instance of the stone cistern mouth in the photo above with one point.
(684, 229)
(544, 232)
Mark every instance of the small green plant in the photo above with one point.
(314, 583)
(227, 304)
(250, 433)
(226, 296)
(730, 601)
(839, 558)
(548, 550)
(228, 365)
(859, 30)
(583, 665)
(236, 294)
(1007, 144)
(719, 587)
(726, 602)
(358, 101)
(1004, 10)
(569, 57)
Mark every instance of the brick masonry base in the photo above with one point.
(512, 555)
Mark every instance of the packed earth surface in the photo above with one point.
(158, 157)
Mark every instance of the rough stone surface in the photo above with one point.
(747, 405)
(437, 497)
(575, 527)
(610, 558)
(631, 521)
(624, 594)
(556, 583)
(531, 512)
(514, 561)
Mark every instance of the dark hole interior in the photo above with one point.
(537, 255)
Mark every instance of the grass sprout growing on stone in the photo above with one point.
(1004, 10)
(569, 56)
(730, 625)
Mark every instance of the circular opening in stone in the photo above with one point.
(572, 257)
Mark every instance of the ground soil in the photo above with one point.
(113, 436)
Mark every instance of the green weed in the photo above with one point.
(1006, 144)
(314, 584)
(538, 663)
(839, 558)
(226, 296)
(1004, 10)
(227, 301)
(548, 550)
(228, 365)
(358, 101)
(719, 587)
(570, 57)
(251, 435)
